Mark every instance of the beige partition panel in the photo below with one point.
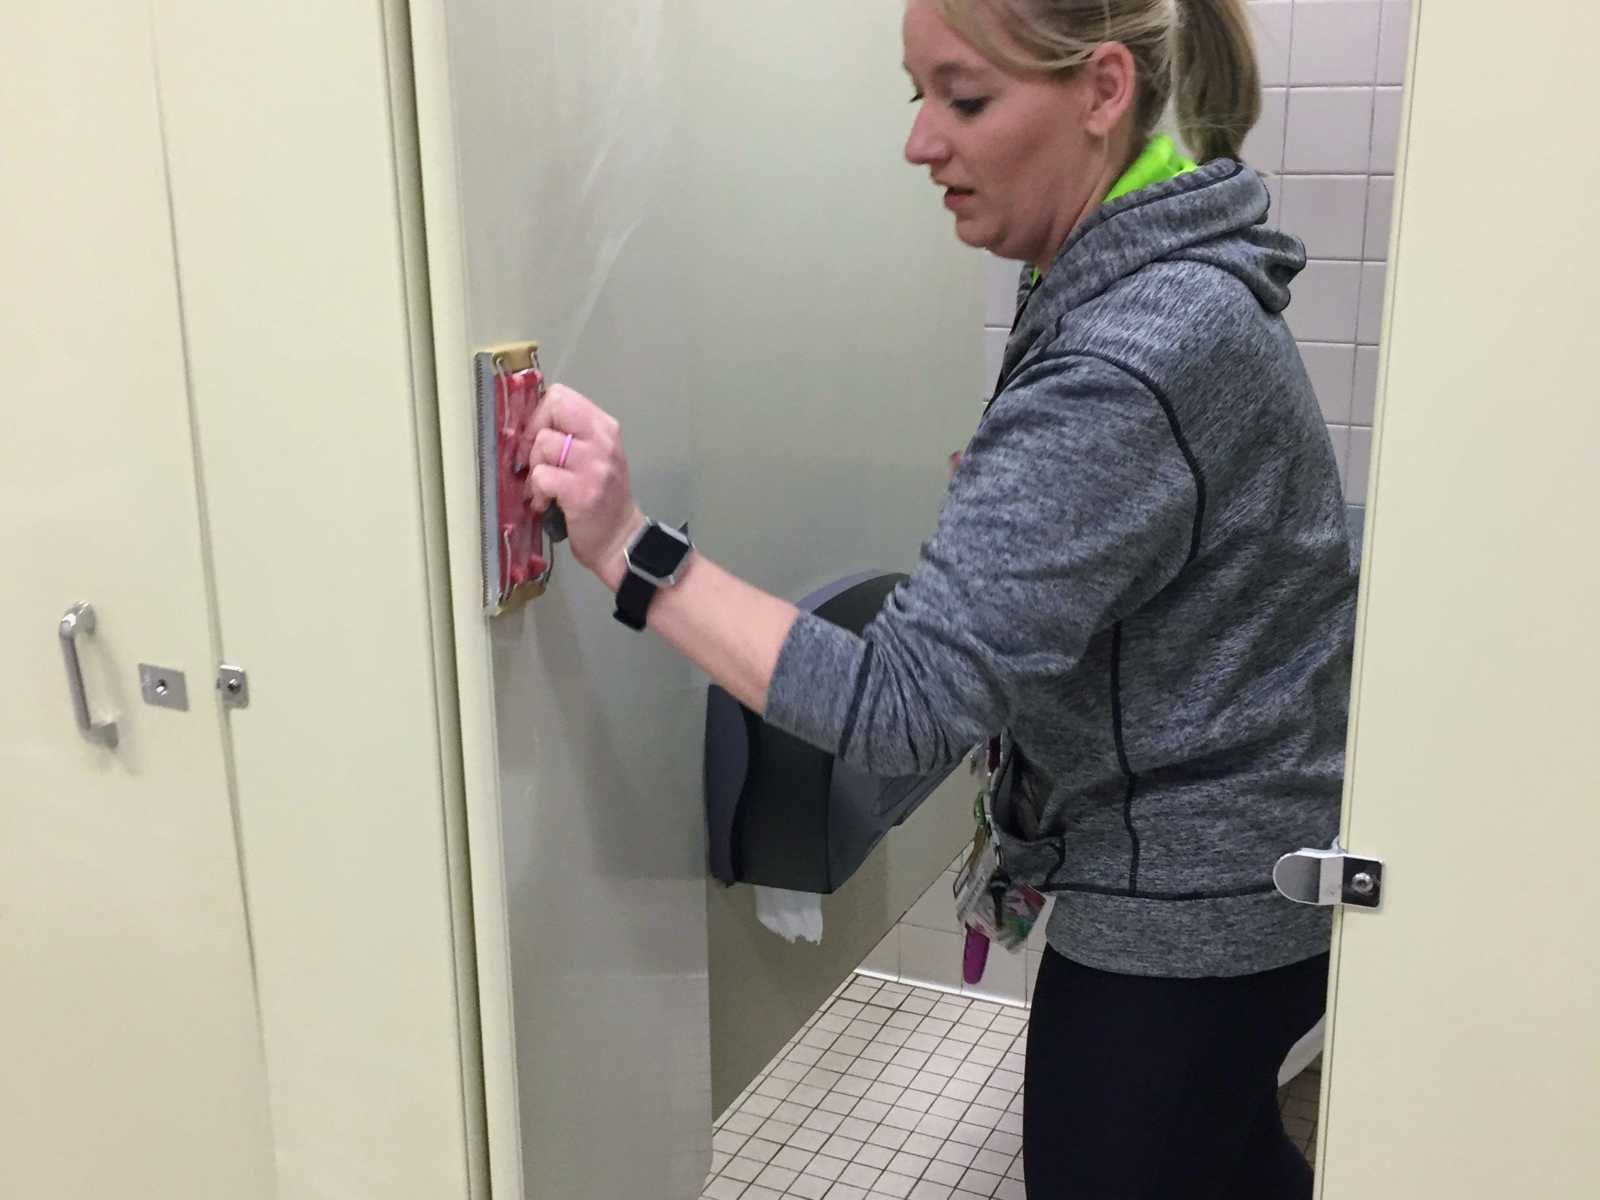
(130, 1049)
(701, 211)
(296, 206)
(1464, 1040)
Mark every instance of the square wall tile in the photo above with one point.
(1271, 22)
(885, 959)
(1005, 978)
(994, 354)
(1374, 277)
(1332, 369)
(1263, 149)
(1324, 304)
(937, 907)
(1326, 212)
(1000, 276)
(1329, 130)
(1364, 398)
(1380, 217)
(1394, 41)
(1387, 107)
(1355, 487)
(930, 956)
(1335, 41)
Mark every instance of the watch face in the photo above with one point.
(658, 553)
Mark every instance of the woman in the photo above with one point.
(1141, 574)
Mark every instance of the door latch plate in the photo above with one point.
(163, 687)
(1326, 878)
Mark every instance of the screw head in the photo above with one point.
(1363, 884)
(232, 685)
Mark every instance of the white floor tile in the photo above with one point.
(948, 1173)
(993, 1162)
(981, 1182)
(827, 1167)
(924, 1105)
(958, 1153)
(743, 1169)
(860, 1175)
(875, 1156)
(889, 1137)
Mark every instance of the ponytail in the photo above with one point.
(1216, 83)
(1196, 55)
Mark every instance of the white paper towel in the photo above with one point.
(793, 916)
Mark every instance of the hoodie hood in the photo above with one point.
(1214, 215)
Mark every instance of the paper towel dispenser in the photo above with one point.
(781, 813)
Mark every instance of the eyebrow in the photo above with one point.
(947, 70)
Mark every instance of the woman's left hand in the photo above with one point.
(574, 453)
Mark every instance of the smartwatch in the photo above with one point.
(655, 560)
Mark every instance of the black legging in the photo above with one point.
(1142, 1088)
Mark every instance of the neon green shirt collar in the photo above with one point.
(1159, 162)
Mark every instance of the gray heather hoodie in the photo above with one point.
(1142, 572)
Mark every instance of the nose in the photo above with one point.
(926, 145)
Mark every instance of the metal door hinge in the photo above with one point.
(233, 685)
(1330, 877)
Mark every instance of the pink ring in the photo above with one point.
(565, 450)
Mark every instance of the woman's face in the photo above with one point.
(1020, 158)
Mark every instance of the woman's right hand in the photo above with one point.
(955, 463)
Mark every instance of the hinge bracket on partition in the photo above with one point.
(233, 685)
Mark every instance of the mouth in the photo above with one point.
(955, 197)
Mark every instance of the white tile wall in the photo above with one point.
(1394, 40)
(1345, 64)
(925, 949)
(1328, 212)
(1328, 130)
(1385, 130)
(1334, 41)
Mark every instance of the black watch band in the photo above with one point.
(654, 558)
(633, 601)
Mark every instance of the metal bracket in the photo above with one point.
(1326, 878)
(233, 685)
(163, 687)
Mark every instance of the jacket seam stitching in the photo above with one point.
(854, 710)
(1122, 759)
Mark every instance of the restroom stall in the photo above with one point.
(426, 905)
(316, 882)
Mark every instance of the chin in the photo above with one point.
(974, 234)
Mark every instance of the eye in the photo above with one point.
(970, 108)
(916, 96)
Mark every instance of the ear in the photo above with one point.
(1111, 82)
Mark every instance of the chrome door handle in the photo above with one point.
(80, 619)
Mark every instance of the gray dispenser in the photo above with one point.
(781, 813)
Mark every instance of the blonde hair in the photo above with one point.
(1196, 55)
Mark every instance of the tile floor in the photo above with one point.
(892, 1092)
